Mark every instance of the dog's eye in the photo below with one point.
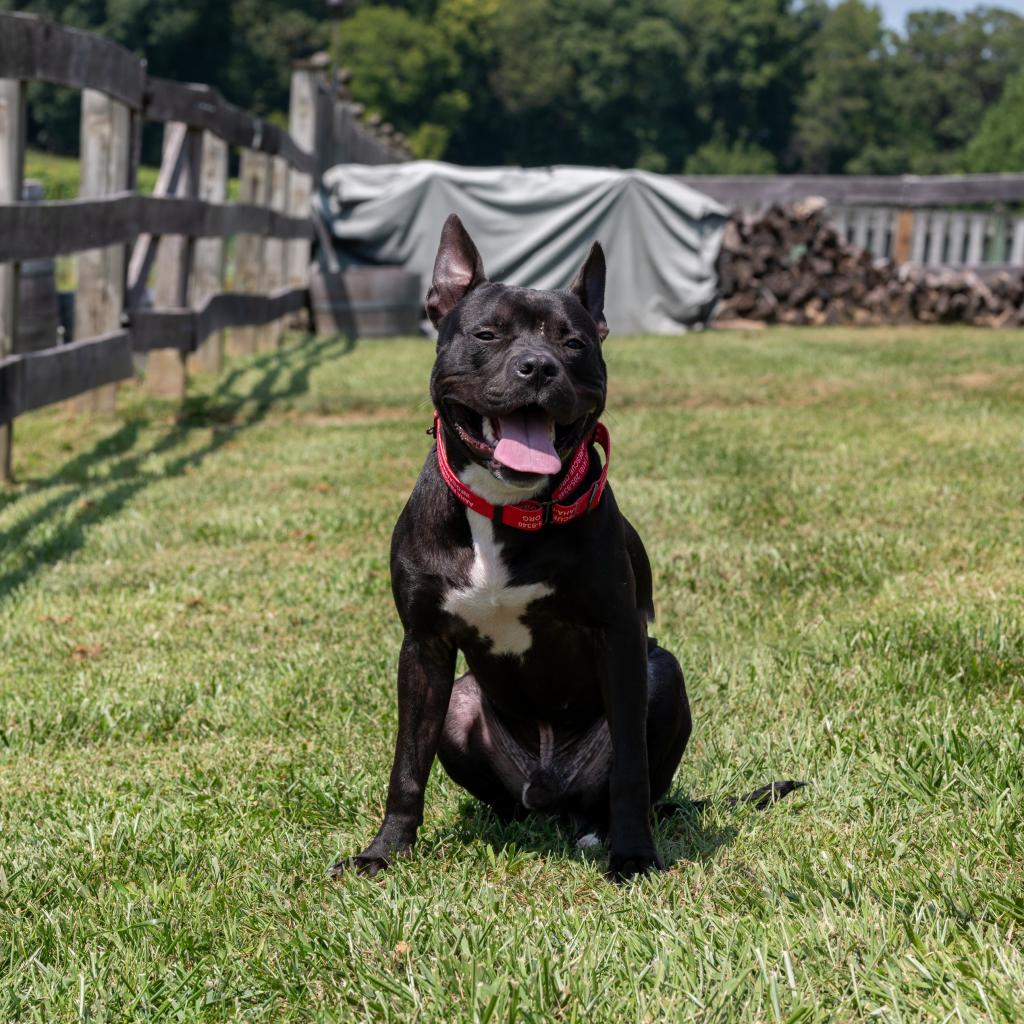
(576, 343)
(485, 335)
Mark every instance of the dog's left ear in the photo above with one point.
(458, 269)
(588, 287)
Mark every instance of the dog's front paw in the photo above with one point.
(623, 867)
(361, 864)
(374, 859)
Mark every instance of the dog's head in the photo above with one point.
(519, 379)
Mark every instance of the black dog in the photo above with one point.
(512, 550)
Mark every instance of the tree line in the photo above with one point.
(694, 86)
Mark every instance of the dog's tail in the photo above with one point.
(760, 799)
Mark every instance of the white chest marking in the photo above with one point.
(488, 602)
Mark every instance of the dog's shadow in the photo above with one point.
(684, 834)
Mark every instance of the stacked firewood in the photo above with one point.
(789, 266)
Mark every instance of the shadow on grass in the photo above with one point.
(283, 374)
(683, 837)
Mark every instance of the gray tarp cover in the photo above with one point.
(534, 226)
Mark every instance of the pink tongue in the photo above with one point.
(525, 443)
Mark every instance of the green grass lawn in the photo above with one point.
(197, 701)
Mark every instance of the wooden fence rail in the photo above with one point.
(174, 239)
(33, 230)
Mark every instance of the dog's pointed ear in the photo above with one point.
(458, 269)
(588, 287)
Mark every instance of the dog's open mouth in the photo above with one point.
(525, 440)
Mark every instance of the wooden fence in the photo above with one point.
(956, 221)
(151, 268)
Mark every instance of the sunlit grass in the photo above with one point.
(197, 701)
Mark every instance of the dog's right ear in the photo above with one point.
(588, 287)
(458, 269)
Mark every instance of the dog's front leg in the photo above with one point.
(630, 840)
(426, 672)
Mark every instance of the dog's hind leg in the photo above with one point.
(668, 717)
(472, 758)
(668, 731)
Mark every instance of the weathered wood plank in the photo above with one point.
(881, 220)
(919, 240)
(33, 231)
(935, 252)
(166, 373)
(34, 48)
(105, 169)
(275, 253)
(232, 310)
(208, 272)
(202, 106)
(902, 236)
(36, 379)
(976, 238)
(12, 168)
(999, 250)
(324, 99)
(145, 246)
(857, 190)
(861, 222)
(304, 109)
(184, 329)
(254, 187)
(957, 235)
(1017, 248)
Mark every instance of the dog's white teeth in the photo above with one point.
(488, 430)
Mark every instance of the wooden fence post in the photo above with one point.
(902, 236)
(253, 187)
(208, 271)
(12, 171)
(275, 252)
(304, 110)
(106, 159)
(166, 374)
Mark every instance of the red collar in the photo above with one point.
(534, 515)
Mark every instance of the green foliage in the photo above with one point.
(940, 79)
(739, 157)
(407, 70)
(999, 143)
(243, 47)
(668, 85)
(673, 85)
(842, 109)
(197, 658)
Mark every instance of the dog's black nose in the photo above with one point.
(536, 366)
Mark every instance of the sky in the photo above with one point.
(895, 11)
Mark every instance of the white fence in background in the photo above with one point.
(953, 220)
(948, 238)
